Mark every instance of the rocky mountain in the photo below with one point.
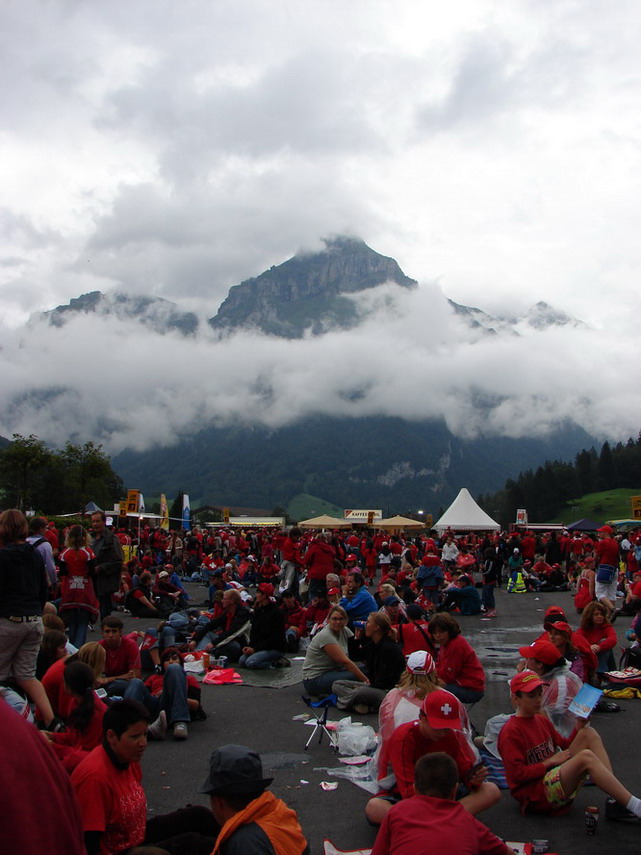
(308, 292)
(160, 315)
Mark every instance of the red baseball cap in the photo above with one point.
(351, 558)
(606, 529)
(560, 625)
(266, 588)
(442, 710)
(554, 610)
(526, 681)
(542, 651)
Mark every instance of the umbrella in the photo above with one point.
(325, 521)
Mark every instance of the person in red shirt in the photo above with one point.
(439, 728)
(414, 635)
(607, 574)
(544, 770)
(319, 560)
(108, 783)
(122, 662)
(432, 820)
(599, 633)
(84, 723)
(457, 664)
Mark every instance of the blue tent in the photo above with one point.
(584, 525)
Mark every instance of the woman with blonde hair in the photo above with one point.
(92, 654)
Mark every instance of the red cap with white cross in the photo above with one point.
(442, 710)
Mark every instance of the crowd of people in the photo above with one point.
(379, 619)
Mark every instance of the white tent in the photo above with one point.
(465, 515)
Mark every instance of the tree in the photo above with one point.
(22, 468)
(89, 475)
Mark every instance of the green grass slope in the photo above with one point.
(608, 505)
(303, 507)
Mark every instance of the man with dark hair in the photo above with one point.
(267, 644)
(253, 821)
(123, 656)
(109, 560)
(357, 602)
(432, 820)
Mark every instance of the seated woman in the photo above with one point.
(581, 658)
(560, 684)
(384, 663)
(457, 664)
(84, 722)
(92, 654)
(597, 630)
(52, 647)
(327, 659)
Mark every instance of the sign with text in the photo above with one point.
(363, 515)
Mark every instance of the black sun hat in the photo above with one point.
(234, 769)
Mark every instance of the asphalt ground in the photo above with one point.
(262, 717)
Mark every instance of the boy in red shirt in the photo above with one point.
(439, 728)
(544, 770)
(432, 820)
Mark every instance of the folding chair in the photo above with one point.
(321, 721)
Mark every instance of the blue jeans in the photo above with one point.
(465, 695)
(322, 685)
(77, 621)
(487, 596)
(173, 698)
(261, 659)
(232, 650)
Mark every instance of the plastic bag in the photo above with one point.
(355, 738)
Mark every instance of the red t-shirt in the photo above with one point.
(422, 825)
(407, 745)
(124, 658)
(524, 743)
(111, 801)
(607, 551)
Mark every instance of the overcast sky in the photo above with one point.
(177, 148)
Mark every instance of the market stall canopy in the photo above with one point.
(325, 521)
(398, 523)
(465, 515)
(584, 524)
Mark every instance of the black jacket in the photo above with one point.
(384, 662)
(268, 628)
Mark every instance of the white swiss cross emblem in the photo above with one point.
(446, 709)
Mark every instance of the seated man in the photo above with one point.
(166, 697)
(544, 770)
(432, 820)
(251, 819)
(225, 633)
(439, 728)
(267, 645)
(122, 661)
(357, 602)
(463, 596)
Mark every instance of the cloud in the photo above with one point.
(175, 149)
(121, 384)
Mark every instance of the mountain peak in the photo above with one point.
(306, 291)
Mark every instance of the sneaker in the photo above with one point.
(490, 613)
(180, 730)
(361, 709)
(616, 811)
(158, 729)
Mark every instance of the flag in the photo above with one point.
(164, 513)
(186, 513)
(141, 504)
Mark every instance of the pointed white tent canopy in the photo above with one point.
(465, 515)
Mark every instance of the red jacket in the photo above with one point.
(319, 560)
(458, 663)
